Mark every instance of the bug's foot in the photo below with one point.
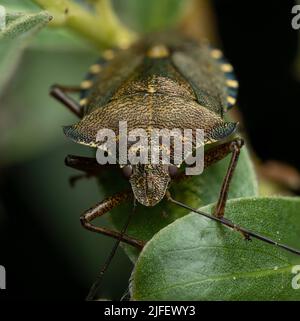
(246, 236)
(237, 144)
(218, 213)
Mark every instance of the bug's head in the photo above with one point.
(148, 182)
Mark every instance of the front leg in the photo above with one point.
(88, 165)
(235, 148)
(214, 155)
(103, 207)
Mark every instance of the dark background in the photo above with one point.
(53, 257)
(258, 39)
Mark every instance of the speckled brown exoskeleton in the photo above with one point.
(163, 81)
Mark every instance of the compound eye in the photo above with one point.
(173, 170)
(127, 171)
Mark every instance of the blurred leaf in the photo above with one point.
(60, 39)
(20, 5)
(19, 30)
(30, 120)
(196, 191)
(149, 16)
(198, 259)
(10, 54)
(24, 25)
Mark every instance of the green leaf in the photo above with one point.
(14, 38)
(196, 191)
(23, 25)
(198, 259)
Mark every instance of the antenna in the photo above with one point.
(97, 283)
(246, 233)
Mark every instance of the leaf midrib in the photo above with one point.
(257, 273)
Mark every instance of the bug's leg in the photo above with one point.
(88, 165)
(83, 163)
(103, 207)
(214, 155)
(60, 93)
(235, 148)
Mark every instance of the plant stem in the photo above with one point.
(102, 27)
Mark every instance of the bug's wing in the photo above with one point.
(185, 114)
(107, 117)
(112, 76)
(209, 74)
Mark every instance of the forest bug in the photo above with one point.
(164, 81)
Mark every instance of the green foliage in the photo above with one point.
(19, 30)
(24, 25)
(28, 50)
(197, 259)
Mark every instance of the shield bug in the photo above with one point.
(165, 82)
